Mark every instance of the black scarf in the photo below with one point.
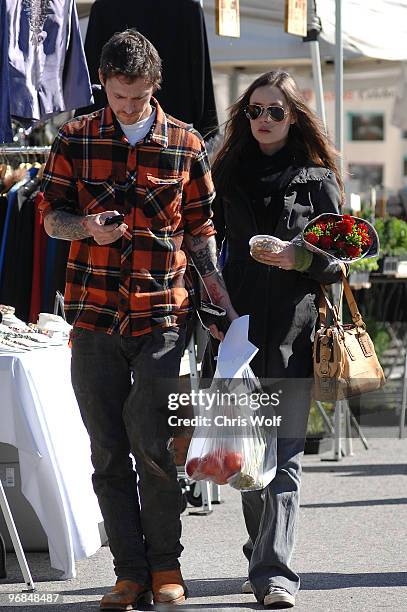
(264, 178)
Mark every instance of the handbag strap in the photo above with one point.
(356, 316)
(324, 301)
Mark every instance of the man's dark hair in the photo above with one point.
(131, 55)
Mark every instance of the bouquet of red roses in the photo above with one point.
(342, 237)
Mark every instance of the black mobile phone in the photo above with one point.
(119, 219)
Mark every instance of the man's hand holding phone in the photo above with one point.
(106, 227)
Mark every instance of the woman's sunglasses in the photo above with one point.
(254, 111)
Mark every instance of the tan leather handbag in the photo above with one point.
(345, 361)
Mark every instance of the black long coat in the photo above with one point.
(282, 304)
(177, 30)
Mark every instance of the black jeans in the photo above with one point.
(122, 385)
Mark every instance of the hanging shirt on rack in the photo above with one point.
(177, 30)
(3, 212)
(11, 197)
(6, 134)
(15, 288)
(47, 66)
(55, 272)
(38, 263)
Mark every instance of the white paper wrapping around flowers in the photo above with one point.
(236, 351)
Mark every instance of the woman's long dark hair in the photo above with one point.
(306, 138)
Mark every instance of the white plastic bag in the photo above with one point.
(235, 441)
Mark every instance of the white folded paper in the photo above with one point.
(236, 351)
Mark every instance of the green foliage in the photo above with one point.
(316, 423)
(392, 235)
(379, 225)
(379, 335)
(365, 265)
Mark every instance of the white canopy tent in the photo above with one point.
(350, 28)
(374, 29)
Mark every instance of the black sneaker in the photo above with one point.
(278, 598)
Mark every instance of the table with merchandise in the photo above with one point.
(40, 417)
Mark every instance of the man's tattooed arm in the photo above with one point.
(203, 253)
(63, 225)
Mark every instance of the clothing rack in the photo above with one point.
(24, 150)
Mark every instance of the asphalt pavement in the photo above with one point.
(350, 553)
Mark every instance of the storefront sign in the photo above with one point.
(296, 17)
(228, 18)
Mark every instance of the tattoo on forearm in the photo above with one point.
(197, 241)
(204, 261)
(203, 253)
(216, 288)
(218, 294)
(65, 226)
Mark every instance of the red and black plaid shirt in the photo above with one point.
(164, 188)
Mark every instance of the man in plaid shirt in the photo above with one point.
(126, 299)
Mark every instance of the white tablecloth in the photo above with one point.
(40, 416)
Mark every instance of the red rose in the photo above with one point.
(312, 238)
(352, 250)
(348, 218)
(363, 227)
(341, 244)
(326, 242)
(365, 239)
(345, 227)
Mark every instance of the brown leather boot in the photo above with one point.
(168, 587)
(125, 596)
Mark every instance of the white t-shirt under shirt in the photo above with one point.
(137, 131)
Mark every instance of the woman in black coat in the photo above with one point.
(274, 173)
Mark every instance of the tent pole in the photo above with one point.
(342, 406)
(317, 76)
(339, 83)
(234, 85)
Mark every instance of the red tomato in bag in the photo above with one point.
(210, 464)
(232, 463)
(221, 478)
(192, 466)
